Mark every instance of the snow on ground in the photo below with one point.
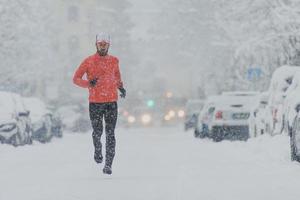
(151, 164)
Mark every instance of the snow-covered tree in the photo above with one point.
(181, 41)
(260, 33)
(26, 46)
(42, 42)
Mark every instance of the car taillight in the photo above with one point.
(219, 115)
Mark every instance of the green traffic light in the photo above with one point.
(150, 103)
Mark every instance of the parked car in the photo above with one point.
(281, 80)
(192, 109)
(231, 118)
(45, 124)
(15, 125)
(203, 126)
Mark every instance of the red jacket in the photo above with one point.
(106, 69)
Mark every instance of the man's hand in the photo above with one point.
(123, 92)
(93, 82)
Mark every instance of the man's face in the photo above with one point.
(102, 48)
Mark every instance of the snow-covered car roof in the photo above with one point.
(238, 102)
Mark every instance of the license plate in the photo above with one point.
(240, 116)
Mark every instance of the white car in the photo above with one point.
(15, 125)
(45, 124)
(231, 118)
(192, 110)
(281, 80)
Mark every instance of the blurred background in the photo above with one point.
(169, 51)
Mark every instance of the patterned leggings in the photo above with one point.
(110, 113)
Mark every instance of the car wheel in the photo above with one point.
(202, 134)
(196, 133)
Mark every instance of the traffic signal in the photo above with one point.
(150, 103)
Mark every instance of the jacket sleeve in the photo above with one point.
(77, 78)
(118, 75)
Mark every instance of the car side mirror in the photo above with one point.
(25, 114)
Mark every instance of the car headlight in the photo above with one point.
(131, 119)
(146, 118)
(167, 117)
(7, 127)
(171, 113)
(180, 113)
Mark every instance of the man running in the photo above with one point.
(103, 80)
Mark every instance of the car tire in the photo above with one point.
(202, 135)
(196, 133)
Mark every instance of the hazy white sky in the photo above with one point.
(142, 12)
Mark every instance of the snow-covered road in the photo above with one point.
(151, 164)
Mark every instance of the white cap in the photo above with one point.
(103, 37)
